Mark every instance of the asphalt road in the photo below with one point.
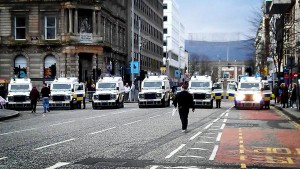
(150, 138)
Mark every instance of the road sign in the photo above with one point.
(177, 73)
(135, 67)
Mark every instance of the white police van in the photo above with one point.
(249, 93)
(67, 93)
(201, 89)
(18, 93)
(155, 90)
(109, 93)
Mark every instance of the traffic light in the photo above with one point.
(98, 73)
(16, 70)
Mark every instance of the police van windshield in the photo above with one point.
(107, 85)
(19, 87)
(231, 87)
(61, 86)
(200, 85)
(252, 86)
(152, 84)
(217, 86)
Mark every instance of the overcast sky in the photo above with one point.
(218, 17)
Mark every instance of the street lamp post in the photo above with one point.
(180, 61)
(167, 56)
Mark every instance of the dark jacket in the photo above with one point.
(294, 94)
(34, 94)
(45, 92)
(184, 100)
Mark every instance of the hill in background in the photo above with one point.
(242, 50)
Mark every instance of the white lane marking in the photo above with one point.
(190, 157)
(205, 142)
(216, 120)
(214, 153)
(95, 117)
(208, 126)
(54, 144)
(206, 137)
(215, 126)
(119, 112)
(175, 151)
(61, 123)
(183, 167)
(154, 116)
(225, 120)
(154, 167)
(226, 114)
(132, 122)
(102, 131)
(213, 129)
(192, 138)
(222, 114)
(219, 137)
(57, 165)
(201, 149)
(223, 126)
(210, 133)
(17, 131)
(2, 158)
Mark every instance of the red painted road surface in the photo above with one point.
(261, 147)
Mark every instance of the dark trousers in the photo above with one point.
(184, 113)
(218, 103)
(33, 105)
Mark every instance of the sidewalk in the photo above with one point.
(7, 114)
(292, 113)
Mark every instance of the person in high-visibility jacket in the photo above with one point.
(218, 93)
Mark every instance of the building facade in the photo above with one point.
(174, 40)
(147, 36)
(49, 38)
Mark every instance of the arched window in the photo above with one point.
(20, 66)
(50, 67)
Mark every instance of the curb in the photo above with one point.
(16, 114)
(291, 116)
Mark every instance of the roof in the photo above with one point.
(25, 80)
(110, 79)
(201, 78)
(66, 80)
(161, 78)
(250, 79)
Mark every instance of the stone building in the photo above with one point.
(79, 38)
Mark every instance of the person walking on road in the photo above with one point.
(45, 95)
(184, 100)
(34, 97)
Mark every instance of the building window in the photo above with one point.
(20, 67)
(165, 30)
(165, 18)
(20, 28)
(50, 67)
(165, 43)
(50, 27)
(165, 6)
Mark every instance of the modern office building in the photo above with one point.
(148, 35)
(174, 40)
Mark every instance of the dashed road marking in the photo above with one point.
(200, 149)
(102, 131)
(206, 127)
(219, 137)
(190, 157)
(54, 144)
(3, 158)
(225, 120)
(205, 142)
(17, 131)
(132, 122)
(223, 126)
(94, 117)
(216, 120)
(242, 149)
(206, 137)
(175, 151)
(192, 138)
(62, 123)
(57, 165)
(154, 116)
(226, 114)
(214, 153)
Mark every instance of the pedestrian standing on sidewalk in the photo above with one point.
(127, 91)
(45, 95)
(132, 92)
(185, 101)
(34, 97)
(293, 97)
(284, 95)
